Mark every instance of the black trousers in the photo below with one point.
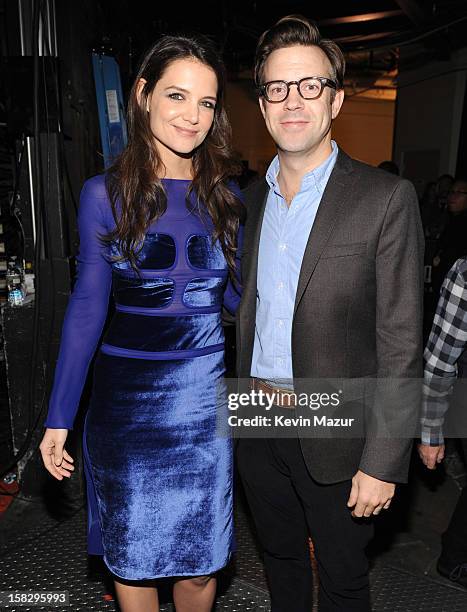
(288, 506)
(454, 539)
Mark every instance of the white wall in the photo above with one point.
(250, 137)
(364, 129)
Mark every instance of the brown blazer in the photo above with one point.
(358, 307)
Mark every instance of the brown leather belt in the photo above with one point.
(284, 398)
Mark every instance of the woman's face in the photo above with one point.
(181, 107)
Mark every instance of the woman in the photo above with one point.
(160, 229)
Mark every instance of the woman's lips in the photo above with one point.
(185, 132)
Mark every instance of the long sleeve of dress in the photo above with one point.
(87, 309)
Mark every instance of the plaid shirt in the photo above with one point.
(447, 341)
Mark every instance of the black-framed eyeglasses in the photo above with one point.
(309, 88)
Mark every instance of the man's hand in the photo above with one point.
(431, 455)
(369, 495)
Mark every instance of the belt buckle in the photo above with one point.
(281, 394)
(278, 393)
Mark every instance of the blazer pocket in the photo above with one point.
(344, 250)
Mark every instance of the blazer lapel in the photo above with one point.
(332, 205)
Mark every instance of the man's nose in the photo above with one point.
(294, 100)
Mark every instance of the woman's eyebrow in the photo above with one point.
(177, 87)
(187, 92)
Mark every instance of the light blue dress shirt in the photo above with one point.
(284, 235)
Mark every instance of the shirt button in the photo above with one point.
(280, 323)
(279, 361)
(280, 285)
(282, 247)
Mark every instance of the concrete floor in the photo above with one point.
(409, 536)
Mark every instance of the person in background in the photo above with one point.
(453, 240)
(444, 185)
(389, 166)
(434, 206)
(435, 217)
(247, 176)
(428, 202)
(161, 230)
(445, 361)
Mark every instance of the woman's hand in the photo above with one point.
(56, 459)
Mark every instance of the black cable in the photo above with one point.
(61, 144)
(13, 210)
(38, 205)
(42, 236)
(402, 43)
(51, 275)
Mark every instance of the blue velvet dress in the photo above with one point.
(158, 462)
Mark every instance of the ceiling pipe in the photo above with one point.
(414, 11)
(361, 18)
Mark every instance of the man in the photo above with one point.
(446, 360)
(332, 288)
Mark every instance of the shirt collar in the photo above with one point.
(317, 177)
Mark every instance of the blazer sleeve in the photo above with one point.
(87, 309)
(393, 416)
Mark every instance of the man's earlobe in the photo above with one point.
(337, 103)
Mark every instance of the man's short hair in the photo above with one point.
(295, 30)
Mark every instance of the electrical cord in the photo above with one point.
(14, 212)
(38, 204)
(42, 247)
(402, 43)
(51, 286)
(62, 153)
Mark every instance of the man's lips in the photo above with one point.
(293, 122)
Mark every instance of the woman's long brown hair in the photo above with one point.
(133, 182)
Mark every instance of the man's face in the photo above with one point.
(457, 198)
(298, 126)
